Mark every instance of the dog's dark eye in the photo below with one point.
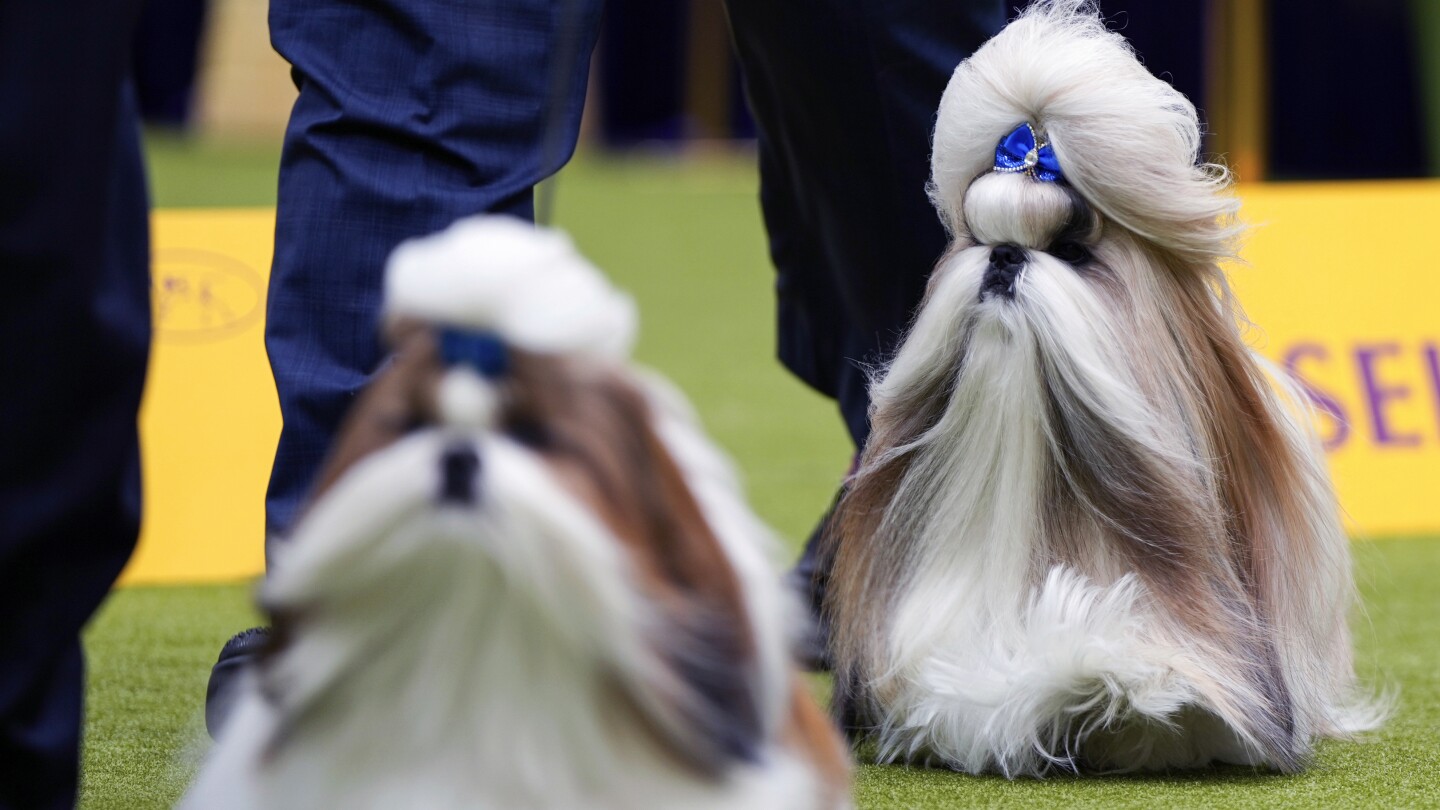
(1072, 253)
(529, 433)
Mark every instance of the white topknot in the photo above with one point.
(527, 284)
(1126, 140)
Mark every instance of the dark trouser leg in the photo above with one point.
(411, 114)
(844, 94)
(74, 339)
(167, 56)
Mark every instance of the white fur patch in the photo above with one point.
(458, 656)
(1077, 660)
(467, 399)
(988, 668)
(527, 284)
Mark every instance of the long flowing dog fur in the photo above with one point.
(1090, 529)
(550, 595)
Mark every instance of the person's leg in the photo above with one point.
(844, 94)
(75, 328)
(167, 58)
(411, 114)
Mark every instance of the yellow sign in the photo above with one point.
(210, 418)
(1342, 282)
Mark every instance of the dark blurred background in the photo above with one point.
(1291, 89)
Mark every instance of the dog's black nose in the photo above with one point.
(1006, 262)
(1007, 256)
(458, 468)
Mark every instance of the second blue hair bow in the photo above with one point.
(483, 351)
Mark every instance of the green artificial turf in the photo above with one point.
(685, 237)
(188, 172)
(151, 648)
(149, 655)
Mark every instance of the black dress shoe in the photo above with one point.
(808, 578)
(238, 653)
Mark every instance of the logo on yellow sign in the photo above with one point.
(201, 296)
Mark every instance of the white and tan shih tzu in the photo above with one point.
(1091, 531)
(527, 581)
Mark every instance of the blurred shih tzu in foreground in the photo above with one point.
(1092, 529)
(527, 580)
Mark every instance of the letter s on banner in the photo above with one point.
(1325, 402)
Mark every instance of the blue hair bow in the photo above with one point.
(1023, 151)
(483, 351)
